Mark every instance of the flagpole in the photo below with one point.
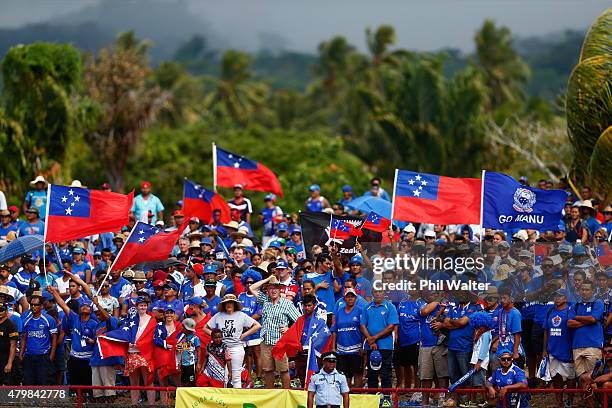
(45, 232)
(117, 257)
(482, 186)
(308, 362)
(394, 194)
(214, 154)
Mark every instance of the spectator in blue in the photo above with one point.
(587, 213)
(33, 225)
(269, 216)
(316, 202)
(211, 299)
(378, 321)
(347, 195)
(119, 286)
(506, 379)
(37, 198)
(607, 223)
(361, 303)
(364, 286)
(347, 339)
(376, 190)
(26, 275)
(170, 301)
(509, 323)
(295, 233)
(146, 202)
(103, 370)
(406, 355)
(38, 343)
(585, 318)
(323, 278)
(6, 225)
(81, 267)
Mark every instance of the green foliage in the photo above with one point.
(598, 41)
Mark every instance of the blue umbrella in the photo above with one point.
(370, 203)
(21, 246)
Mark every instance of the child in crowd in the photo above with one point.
(215, 362)
(482, 323)
(189, 353)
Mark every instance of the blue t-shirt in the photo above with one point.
(299, 248)
(589, 335)
(347, 329)
(326, 295)
(45, 280)
(21, 280)
(514, 376)
(428, 338)
(175, 304)
(508, 324)
(38, 199)
(377, 318)
(268, 214)
(116, 288)
(314, 205)
(409, 322)
(188, 343)
(250, 307)
(212, 305)
(462, 339)
(559, 335)
(141, 208)
(26, 228)
(80, 332)
(79, 269)
(103, 328)
(360, 303)
(4, 231)
(38, 332)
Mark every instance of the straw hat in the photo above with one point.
(502, 272)
(232, 224)
(76, 183)
(243, 232)
(38, 179)
(229, 298)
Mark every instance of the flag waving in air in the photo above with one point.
(435, 199)
(342, 230)
(376, 222)
(232, 169)
(76, 212)
(200, 202)
(146, 243)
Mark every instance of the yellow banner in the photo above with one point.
(200, 397)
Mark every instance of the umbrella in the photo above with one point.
(166, 263)
(21, 246)
(370, 203)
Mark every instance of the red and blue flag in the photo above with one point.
(603, 254)
(76, 212)
(342, 230)
(320, 341)
(200, 202)
(433, 199)
(233, 169)
(376, 222)
(146, 243)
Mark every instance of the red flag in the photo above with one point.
(146, 243)
(200, 202)
(436, 199)
(166, 359)
(233, 169)
(76, 212)
(291, 342)
(376, 222)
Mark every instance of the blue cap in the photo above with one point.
(206, 241)
(579, 250)
(346, 188)
(97, 253)
(504, 350)
(375, 360)
(274, 244)
(251, 250)
(314, 187)
(270, 197)
(179, 203)
(281, 264)
(356, 259)
(440, 242)
(140, 299)
(282, 226)
(78, 250)
(210, 269)
(295, 228)
(196, 300)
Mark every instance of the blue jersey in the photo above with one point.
(462, 339)
(116, 289)
(80, 269)
(376, 318)
(26, 228)
(4, 231)
(590, 335)
(250, 307)
(428, 338)
(212, 305)
(360, 303)
(326, 295)
(347, 329)
(175, 304)
(559, 343)
(81, 332)
(22, 280)
(514, 375)
(315, 205)
(509, 324)
(409, 322)
(38, 332)
(38, 199)
(299, 248)
(269, 214)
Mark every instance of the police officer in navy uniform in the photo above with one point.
(328, 386)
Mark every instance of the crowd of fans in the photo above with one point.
(218, 313)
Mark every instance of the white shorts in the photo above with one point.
(254, 342)
(565, 370)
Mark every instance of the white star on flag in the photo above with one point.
(77, 198)
(315, 334)
(416, 193)
(132, 324)
(64, 199)
(70, 192)
(126, 328)
(69, 211)
(72, 204)
(418, 177)
(411, 182)
(141, 232)
(236, 165)
(424, 182)
(141, 239)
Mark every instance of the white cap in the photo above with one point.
(429, 233)
(409, 228)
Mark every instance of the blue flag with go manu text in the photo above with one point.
(507, 204)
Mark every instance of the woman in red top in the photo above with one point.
(139, 365)
(165, 351)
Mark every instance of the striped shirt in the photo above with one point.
(275, 316)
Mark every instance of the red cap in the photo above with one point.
(145, 184)
(14, 208)
(159, 275)
(196, 219)
(159, 283)
(179, 213)
(198, 269)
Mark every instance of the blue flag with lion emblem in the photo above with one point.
(507, 204)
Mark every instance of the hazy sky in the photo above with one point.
(422, 25)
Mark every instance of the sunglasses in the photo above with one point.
(331, 360)
(250, 282)
(505, 359)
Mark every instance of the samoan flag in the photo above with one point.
(76, 212)
(376, 222)
(146, 243)
(342, 230)
(540, 251)
(604, 254)
(116, 343)
(233, 169)
(319, 342)
(200, 202)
